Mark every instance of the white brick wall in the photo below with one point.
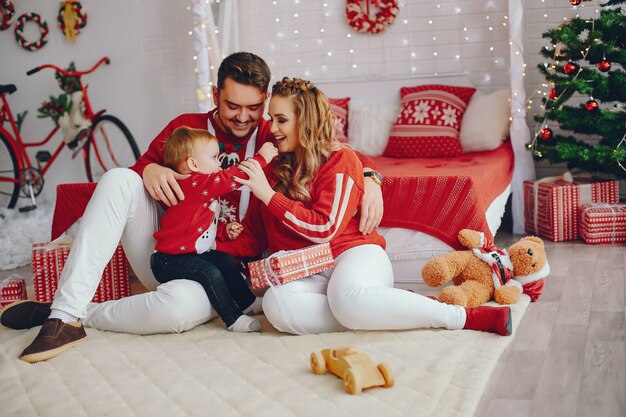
(407, 48)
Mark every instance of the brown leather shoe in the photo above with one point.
(54, 338)
(24, 314)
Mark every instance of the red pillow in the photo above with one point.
(339, 107)
(429, 122)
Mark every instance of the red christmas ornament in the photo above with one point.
(569, 67)
(591, 105)
(575, 2)
(552, 93)
(604, 65)
(546, 133)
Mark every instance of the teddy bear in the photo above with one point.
(484, 272)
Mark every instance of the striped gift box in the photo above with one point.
(285, 266)
(12, 289)
(603, 223)
(552, 208)
(49, 259)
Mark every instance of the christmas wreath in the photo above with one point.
(71, 19)
(8, 12)
(19, 31)
(361, 20)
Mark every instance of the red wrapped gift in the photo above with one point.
(603, 223)
(552, 205)
(12, 289)
(48, 262)
(285, 266)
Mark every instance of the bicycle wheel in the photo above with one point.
(9, 174)
(110, 145)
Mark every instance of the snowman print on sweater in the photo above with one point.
(206, 239)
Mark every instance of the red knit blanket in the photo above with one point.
(444, 195)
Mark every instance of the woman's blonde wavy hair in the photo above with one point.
(316, 132)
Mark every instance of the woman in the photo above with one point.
(312, 196)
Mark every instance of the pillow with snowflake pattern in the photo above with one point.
(429, 122)
(340, 107)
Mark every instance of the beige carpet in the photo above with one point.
(211, 372)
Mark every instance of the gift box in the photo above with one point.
(285, 266)
(603, 223)
(12, 289)
(49, 259)
(552, 208)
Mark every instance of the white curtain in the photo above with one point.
(520, 135)
(216, 35)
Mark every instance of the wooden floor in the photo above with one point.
(569, 354)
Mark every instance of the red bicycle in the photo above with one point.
(106, 144)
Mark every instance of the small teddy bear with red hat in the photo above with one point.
(484, 272)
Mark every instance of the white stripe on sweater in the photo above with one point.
(335, 218)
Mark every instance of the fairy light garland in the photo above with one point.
(353, 54)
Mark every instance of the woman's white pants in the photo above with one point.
(357, 294)
(122, 210)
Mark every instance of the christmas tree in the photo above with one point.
(587, 59)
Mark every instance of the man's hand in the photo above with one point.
(233, 230)
(161, 183)
(371, 207)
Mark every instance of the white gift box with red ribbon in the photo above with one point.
(12, 289)
(603, 223)
(552, 204)
(285, 266)
(49, 259)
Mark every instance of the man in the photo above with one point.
(127, 205)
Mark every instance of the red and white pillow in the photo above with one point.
(429, 122)
(340, 107)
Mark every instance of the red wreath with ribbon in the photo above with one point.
(8, 13)
(360, 19)
(43, 31)
(71, 19)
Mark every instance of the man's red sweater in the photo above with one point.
(233, 151)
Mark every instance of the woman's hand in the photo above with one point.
(161, 183)
(371, 207)
(256, 180)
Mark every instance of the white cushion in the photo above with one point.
(369, 125)
(485, 124)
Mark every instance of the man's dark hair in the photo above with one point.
(245, 68)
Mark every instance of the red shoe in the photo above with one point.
(489, 319)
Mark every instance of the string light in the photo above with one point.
(294, 34)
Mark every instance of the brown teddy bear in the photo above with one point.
(484, 272)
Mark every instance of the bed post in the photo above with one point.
(520, 135)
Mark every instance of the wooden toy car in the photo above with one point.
(357, 370)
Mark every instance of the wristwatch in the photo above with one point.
(375, 175)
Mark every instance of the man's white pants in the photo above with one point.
(357, 294)
(122, 210)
